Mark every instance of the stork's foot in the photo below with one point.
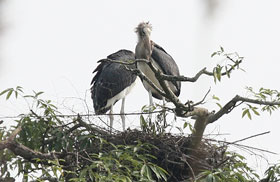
(189, 105)
(181, 112)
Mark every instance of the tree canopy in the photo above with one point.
(45, 144)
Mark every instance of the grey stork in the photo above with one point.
(149, 50)
(111, 83)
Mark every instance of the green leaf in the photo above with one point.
(83, 173)
(213, 54)
(249, 115)
(191, 128)
(218, 72)
(227, 72)
(220, 106)
(254, 109)
(185, 125)
(149, 173)
(38, 93)
(162, 172)
(143, 170)
(245, 112)
(215, 75)
(143, 123)
(154, 169)
(210, 178)
(215, 97)
(19, 88)
(4, 91)
(9, 94)
(222, 49)
(16, 93)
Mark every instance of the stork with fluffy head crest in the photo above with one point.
(149, 50)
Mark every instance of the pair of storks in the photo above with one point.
(113, 81)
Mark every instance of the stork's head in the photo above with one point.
(143, 30)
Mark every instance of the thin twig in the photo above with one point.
(243, 146)
(253, 136)
(203, 99)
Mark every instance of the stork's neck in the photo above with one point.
(143, 49)
(144, 39)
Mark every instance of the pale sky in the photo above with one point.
(53, 46)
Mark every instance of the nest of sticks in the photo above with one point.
(173, 152)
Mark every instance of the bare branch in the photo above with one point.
(253, 136)
(241, 145)
(201, 102)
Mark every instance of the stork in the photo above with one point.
(111, 83)
(149, 50)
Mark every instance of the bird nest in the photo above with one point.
(173, 152)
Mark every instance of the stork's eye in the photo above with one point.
(143, 32)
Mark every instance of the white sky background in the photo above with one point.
(53, 46)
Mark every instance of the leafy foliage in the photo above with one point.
(264, 94)
(123, 163)
(235, 169)
(9, 92)
(81, 151)
(157, 126)
(261, 95)
(88, 156)
(272, 174)
(231, 62)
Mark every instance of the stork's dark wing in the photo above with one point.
(110, 79)
(167, 64)
(99, 68)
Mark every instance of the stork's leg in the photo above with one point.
(122, 114)
(164, 111)
(111, 116)
(150, 98)
(163, 101)
(151, 103)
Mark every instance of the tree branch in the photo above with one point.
(232, 104)
(143, 77)
(25, 152)
(180, 78)
(199, 126)
(185, 79)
